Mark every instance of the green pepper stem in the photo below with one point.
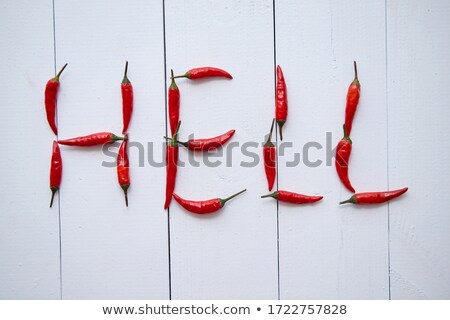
(186, 75)
(56, 78)
(223, 201)
(352, 199)
(125, 74)
(174, 141)
(125, 192)
(180, 142)
(269, 142)
(273, 195)
(173, 85)
(280, 126)
(356, 70)
(54, 189)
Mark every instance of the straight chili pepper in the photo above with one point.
(205, 72)
(171, 166)
(292, 197)
(55, 170)
(281, 101)
(343, 152)
(51, 94)
(127, 99)
(205, 206)
(174, 105)
(91, 140)
(374, 197)
(208, 144)
(123, 168)
(270, 154)
(352, 100)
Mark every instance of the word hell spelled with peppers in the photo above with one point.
(343, 149)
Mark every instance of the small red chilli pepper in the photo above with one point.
(55, 170)
(343, 152)
(51, 94)
(374, 197)
(292, 197)
(205, 72)
(209, 144)
(281, 101)
(205, 206)
(123, 168)
(171, 166)
(174, 105)
(270, 154)
(127, 99)
(352, 100)
(91, 140)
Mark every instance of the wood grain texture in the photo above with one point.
(419, 149)
(29, 237)
(110, 251)
(231, 254)
(329, 251)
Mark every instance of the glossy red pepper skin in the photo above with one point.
(123, 168)
(174, 105)
(270, 155)
(375, 197)
(205, 206)
(51, 95)
(205, 72)
(281, 110)
(352, 101)
(55, 170)
(343, 152)
(171, 166)
(91, 140)
(292, 197)
(209, 144)
(127, 100)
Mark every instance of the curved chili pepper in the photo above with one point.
(127, 99)
(205, 72)
(205, 206)
(171, 166)
(208, 144)
(91, 140)
(352, 100)
(51, 93)
(374, 197)
(270, 154)
(174, 105)
(343, 152)
(292, 197)
(55, 170)
(123, 168)
(281, 101)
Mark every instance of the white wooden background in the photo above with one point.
(89, 246)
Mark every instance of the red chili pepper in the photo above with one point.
(51, 93)
(174, 105)
(55, 170)
(205, 206)
(127, 99)
(208, 144)
(374, 197)
(281, 101)
(91, 140)
(123, 168)
(343, 152)
(292, 197)
(270, 154)
(171, 166)
(205, 72)
(352, 100)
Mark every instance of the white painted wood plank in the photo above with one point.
(29, 236)
(231, 254)
(110, 251)
(419, 149)
(329, 251)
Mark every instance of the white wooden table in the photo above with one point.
(89, 246)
